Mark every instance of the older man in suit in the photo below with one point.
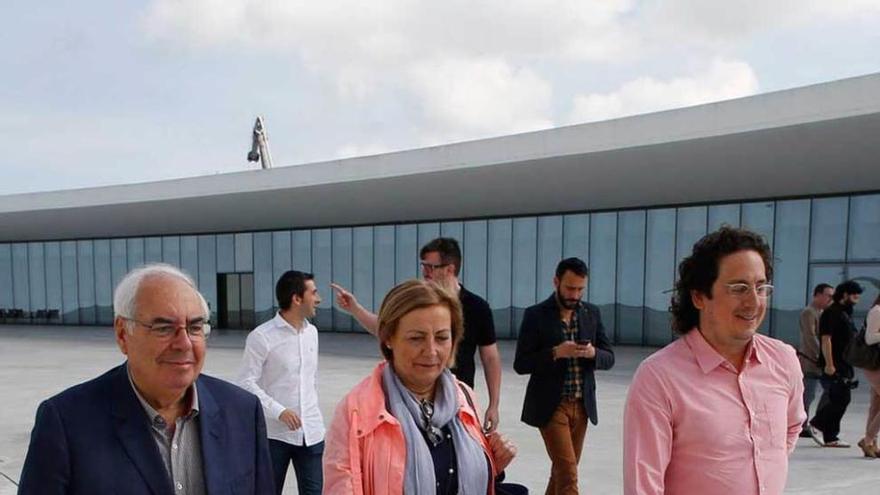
(152, 425)
(561, 342)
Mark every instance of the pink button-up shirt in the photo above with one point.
(694, 425)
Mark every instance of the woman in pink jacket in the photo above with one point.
(409, 428)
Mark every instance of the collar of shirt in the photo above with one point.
(154, 415)
(281, 322)
(709, 359)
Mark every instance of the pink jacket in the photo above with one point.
(364, 450)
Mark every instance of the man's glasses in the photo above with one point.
(197, 330)
(741, 290)
(430, 267)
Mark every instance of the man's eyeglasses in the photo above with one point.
(197, 330)
(430, 267)
(741, 290)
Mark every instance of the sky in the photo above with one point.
(106, 92)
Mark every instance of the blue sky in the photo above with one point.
(97, 93)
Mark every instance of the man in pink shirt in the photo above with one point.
(720, 409)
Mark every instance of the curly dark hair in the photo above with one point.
(699, 271)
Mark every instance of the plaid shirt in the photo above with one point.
(573, 386)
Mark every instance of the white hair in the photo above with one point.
(125, 295)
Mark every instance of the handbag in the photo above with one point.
(500, 488)
(860, 354)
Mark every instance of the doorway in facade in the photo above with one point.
(235, 301)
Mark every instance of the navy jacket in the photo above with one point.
(94, 438)
(539, 332)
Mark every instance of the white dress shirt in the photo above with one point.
(280, 366)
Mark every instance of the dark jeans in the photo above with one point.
(306, 464)
(829, 414)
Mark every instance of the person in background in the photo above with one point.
(561, 343)
(872, 426)
(808, 352)
(280, 366)
(836, 330)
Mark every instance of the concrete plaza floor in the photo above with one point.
(37, 362)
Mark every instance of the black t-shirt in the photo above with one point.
(479, 330)
(836, 321)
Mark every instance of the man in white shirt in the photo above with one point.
(280, 367)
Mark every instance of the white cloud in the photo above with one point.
(723, 80)
(465, 64)
(481, 97)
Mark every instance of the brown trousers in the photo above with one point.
(564, 438)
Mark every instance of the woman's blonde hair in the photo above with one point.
(409, 296)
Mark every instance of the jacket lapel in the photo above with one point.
(212, 423)
(133, 430)
(552, 321)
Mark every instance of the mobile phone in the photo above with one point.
(584, 342)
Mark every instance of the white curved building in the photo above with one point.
(629, 196)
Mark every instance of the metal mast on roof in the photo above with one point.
(260, 145)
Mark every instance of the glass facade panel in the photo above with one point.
(549, 254)
(171, 250)
(342, 274)
(429, 232)
(6, 298)
(134, 248)
(660, 267)
(868, 276)
(790, 268)
(20, 278)
(244, 253)
(690, 227)
(828, 229)
(264, 279)
(525, 257)
(474, 249)
(53, 281)
(406, 245)
(362, 269)
(723, 215)
(86, 276)
(452, 229)
(322, 259)
(281, 255)
(603, 267)
(37, 279)
(225, 253)
(576, 236)
(153, 249)
(758, 217)
(384, 258)
(69, 284)
(630, 275)
(208, 271)
(498, 294)
(864, 228)
(302, 250)
(103, 283)
(119, 261)
(189, 256)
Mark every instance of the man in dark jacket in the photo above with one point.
(561, 342)
(153, 425)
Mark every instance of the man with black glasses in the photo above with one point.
(836, 329)
(154, 424)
